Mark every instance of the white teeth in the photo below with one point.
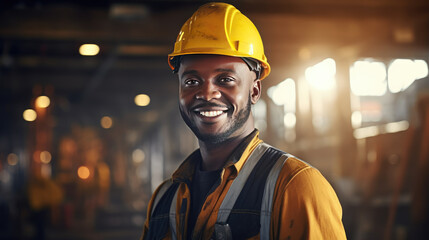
(211, 113)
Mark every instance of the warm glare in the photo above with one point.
(284, 94)
(304, 53)
(322, 75)
(89, 50)
(289, 120)
(43, 102)
(83, 172)
(29, 115)
(142, 100)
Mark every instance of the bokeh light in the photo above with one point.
(138, 156)
(43, 102)
(106, 122)
(89, 50)
(284, 94)
(289, 120)
(142, 100)
(45, 157)
(12, 159)
(83, 172)
(29, 115)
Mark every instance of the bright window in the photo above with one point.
(368, 78)
(322, 75)
(403, 72)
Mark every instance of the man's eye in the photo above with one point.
(191, 82)
(227, 80)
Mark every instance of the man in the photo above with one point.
(234, 186)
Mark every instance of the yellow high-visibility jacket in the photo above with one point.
(304, 204)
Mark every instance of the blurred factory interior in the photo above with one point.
(90, 125)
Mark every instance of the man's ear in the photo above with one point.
(256, 91)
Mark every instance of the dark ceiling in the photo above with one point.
(39, 43)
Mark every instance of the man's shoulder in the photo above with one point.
(294, 166)
(293, 163)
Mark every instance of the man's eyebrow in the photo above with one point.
(225, 70)
(195, 72)
(189, 72)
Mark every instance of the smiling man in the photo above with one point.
(234, 186)
(216, 93)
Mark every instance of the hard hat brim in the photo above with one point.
(265, 65)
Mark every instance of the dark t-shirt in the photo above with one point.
(205, 182)
(202, 183)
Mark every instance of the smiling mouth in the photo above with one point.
(210, 110)
(210, 113)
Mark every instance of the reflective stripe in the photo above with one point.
(173, 215)
(267, 198)
(238, 183)
(161, 193)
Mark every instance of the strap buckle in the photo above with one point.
(222, 231)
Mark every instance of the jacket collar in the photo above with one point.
(186, 170)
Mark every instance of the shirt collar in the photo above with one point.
(185, 171)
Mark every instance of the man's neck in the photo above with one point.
(214, 156)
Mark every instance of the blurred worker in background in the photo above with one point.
(234, 186)
(43, 195)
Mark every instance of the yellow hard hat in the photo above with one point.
(220, 28)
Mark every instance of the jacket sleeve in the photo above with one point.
(149, 209)
(306, 207)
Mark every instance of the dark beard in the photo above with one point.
(237, 123)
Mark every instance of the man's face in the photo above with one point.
(216, 93)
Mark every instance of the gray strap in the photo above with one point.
(173, 215)
(161, 193)
(238, 183)
(267, 198)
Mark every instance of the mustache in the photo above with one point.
(209, 104)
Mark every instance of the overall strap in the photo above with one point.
(222, 230)
(172, 215)
(267, 198)
(159, 223)
(172, 212)
(161, 193)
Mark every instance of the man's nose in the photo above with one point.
(208, 91)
